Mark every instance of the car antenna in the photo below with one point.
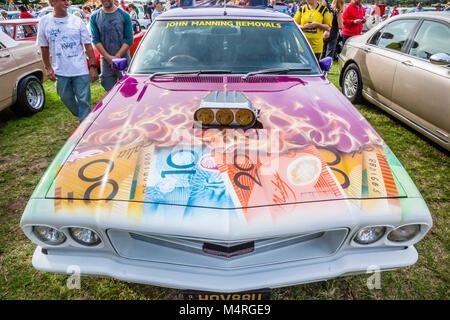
(224, 7)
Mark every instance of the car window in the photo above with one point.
(7, 41)
(374, 39)
(432, 37)
(235, 45)
(7, 29)
(26, 31)
(395, 34)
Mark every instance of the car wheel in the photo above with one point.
(30, 97)
(352, 83)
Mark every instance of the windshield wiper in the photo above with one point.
(197, 72)
(274, 70)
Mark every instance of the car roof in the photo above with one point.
(428, 14)
(231, 12)
(19, 21)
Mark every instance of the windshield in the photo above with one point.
(239, 46)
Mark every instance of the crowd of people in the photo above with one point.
(67, 40)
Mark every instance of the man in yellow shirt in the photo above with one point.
(314, 19)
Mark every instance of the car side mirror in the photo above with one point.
(119, 63)
(325, 64)
(440, 59)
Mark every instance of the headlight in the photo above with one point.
(85, 236)
(224, 116)
(205, 116)
(404, 233)
(49, 235)
(369, 235)
(245, 117)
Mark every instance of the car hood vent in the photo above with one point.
(222, 79)
(258, 79)
(199, 79)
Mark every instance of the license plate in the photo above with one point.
(261, 294)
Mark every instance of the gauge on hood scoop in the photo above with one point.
(221, 109)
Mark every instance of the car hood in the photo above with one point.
(310, 145)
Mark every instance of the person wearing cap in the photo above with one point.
(158, 9)
(447, 6)
(438, 6)
(3, 15)
(419, 8)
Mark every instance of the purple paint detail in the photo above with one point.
(304, 109)
(119, 63)
(129, 87)
(325, 64)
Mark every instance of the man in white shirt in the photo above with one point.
(63, 36)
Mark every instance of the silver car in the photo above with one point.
(403, 67)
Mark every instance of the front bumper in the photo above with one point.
(219, 280)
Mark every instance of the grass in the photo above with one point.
(27, 146)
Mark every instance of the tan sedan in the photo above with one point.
(403, 67)
(21, 76)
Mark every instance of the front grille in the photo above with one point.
(190, 251)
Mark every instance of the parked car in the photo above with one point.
(13, 14)
(225, 161)
(282, 7)
(21, 75)
(402, 66)
(72, 10)
(20, 29)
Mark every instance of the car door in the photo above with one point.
(421, 89)
(382, 52)
(7, 71)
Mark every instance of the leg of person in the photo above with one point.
(66, 94)
(344, 38)
(318, 55)
(331, 48)
(82, 89)
(326, 45)
(108, 77)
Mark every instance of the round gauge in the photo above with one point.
(245, 117)
(204, 116)
(224, 116)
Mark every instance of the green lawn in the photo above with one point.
(28, 145)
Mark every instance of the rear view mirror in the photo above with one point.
(325, 64)
(119, 63)
(441, 59)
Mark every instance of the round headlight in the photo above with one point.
(369, 235)
(244, 117)
(224, 116)
(49, 235)
(404, 233)
(204, 116)
(85, 236)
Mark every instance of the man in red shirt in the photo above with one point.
(24, 14)
(353, 17)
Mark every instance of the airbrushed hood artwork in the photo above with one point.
(158, 188)
(145, 161)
